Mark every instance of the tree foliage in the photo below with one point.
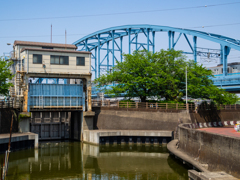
(5, 76)
(162, 74)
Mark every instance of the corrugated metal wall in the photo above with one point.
(55, 95)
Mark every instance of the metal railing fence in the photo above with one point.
(161, 106)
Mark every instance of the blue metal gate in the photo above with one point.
(64, 96)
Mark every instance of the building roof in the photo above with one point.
(56, 50)
(30, 43)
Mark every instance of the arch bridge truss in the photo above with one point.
(107, 46)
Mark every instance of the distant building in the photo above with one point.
(231, 68)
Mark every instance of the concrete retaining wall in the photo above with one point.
(18, 141)
(138, 120)
(125, 136)
(150, 119)
(220, 152)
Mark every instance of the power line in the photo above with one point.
(132, 12)
(215, 25)
(40, 36)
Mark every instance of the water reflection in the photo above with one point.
(74, 160)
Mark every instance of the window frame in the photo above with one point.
(59, 60)
(80, 61)
(39, 55)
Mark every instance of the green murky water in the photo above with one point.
(74, 160)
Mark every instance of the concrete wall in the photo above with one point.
(24, 125)
(215, 116)
(138, 120)
(220, 152)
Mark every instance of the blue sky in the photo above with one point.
(77, 27)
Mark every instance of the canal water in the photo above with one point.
(77, 161)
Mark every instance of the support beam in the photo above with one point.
(169, 40)
(172, 39)
(148, 39)
(188, 42)
(129, 41)
(86, 47)
(113, 42)
(99, 49)
(95, 69)
(225, 52)
(136, 39)
(195, 48)
(153, 39)
(121, 38)
(108, 56)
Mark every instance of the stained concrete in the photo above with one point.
(17, 138)
(138, 120)
(194, 175)
(93, 136)
(219, 152)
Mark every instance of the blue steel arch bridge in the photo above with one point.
(107, 47)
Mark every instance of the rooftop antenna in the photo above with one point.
(51, 33)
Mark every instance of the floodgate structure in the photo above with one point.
(50, 81)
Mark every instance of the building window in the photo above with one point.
(62, 60)
(37, 59)
(80, 61)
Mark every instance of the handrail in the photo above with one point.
(160, 106)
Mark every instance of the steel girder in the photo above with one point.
(94, 42)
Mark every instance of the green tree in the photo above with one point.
(162, 74)
(5, 76)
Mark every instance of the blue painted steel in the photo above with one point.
(54, 95)
(153, 36)
(98, 39)
(195, 48)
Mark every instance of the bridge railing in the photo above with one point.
(141, 105)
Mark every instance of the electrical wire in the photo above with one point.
(215, 25)
(110, 14)
(40, 36)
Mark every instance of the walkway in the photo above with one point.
(229, 131)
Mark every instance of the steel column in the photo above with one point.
(195, 48)
(99, 55)
(153, 39)
(172, 45)
(169, 40)
(224, 60)
(136, 37)
(113, 40)
(108, 56)
(121, 38)
(148, 39)
(129, 41)
(86, 48)
(95, 69)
